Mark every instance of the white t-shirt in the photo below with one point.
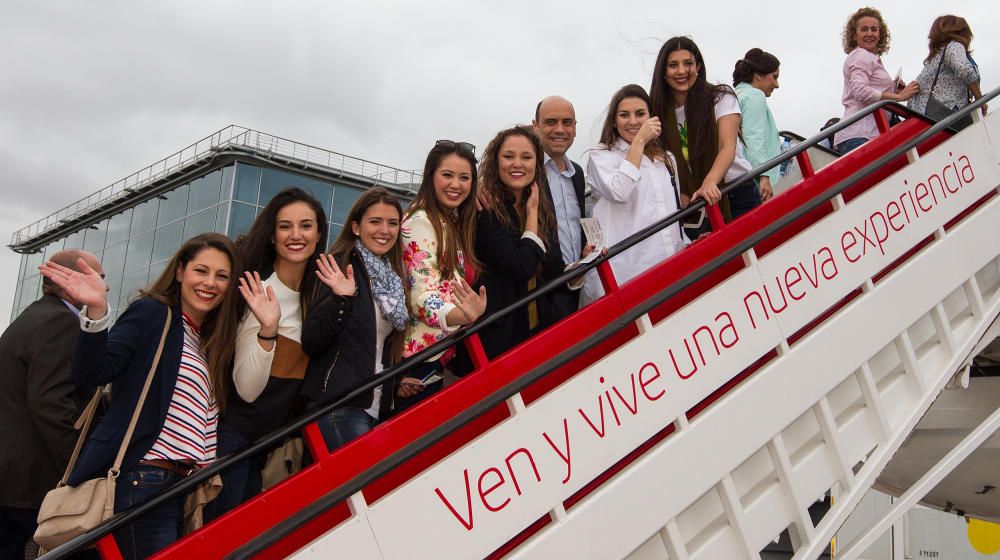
(383, 328)
(728, 104)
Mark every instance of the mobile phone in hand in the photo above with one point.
(432, 377)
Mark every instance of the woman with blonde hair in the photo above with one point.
(865, 39)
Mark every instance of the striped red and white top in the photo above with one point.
(189, 432)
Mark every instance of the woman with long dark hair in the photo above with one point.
(176, 430)
(865, 39)
(356, 317)
(949, 57)
(516, 239)
(632, 179)
(755, 77)
(701, 123)
(279, 253)
(439, 237)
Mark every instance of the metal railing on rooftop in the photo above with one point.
(232, 136)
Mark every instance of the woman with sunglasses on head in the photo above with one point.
(700, 127)
(279, 253)
(176, 430)
(516, 239)
(357, 315)
(865, 39)
(632, 180)
(439, 236)
(755, 77)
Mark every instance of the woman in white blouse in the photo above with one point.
(632, 179)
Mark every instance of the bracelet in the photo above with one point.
(272, 338)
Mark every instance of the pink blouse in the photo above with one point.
(865, 79)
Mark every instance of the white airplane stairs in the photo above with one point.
(695, 412)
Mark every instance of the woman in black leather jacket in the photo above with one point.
(355, 317)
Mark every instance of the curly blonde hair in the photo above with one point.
(848, 35)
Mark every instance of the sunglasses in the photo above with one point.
(460, 145)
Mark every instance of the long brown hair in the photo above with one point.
(609, 132)
(455, 231)
(946, 29)
(218, 330)
(699, 113)
(344, 244)
(499, 194)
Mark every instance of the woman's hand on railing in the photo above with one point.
(709, 192)
(341, 283)
(86, 286)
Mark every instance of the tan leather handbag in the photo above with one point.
(70, 511)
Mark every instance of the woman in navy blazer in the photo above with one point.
(176, 430)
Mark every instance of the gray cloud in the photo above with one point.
(94, 92)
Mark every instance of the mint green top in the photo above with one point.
(757, 129)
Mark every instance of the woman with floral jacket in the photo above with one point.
(438, 239)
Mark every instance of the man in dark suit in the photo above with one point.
(38, 406)
(555, 124)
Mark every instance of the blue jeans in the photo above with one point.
(744, 198)
(156, 529)
(344, 425)
(241, 481)
(850, 144)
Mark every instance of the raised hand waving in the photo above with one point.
(341, 283)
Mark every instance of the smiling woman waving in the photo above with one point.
(439, 234)
(175, 432)
(279, 252)
(356, 316)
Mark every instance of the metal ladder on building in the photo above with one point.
(696, 411)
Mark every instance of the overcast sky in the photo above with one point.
(93, 91)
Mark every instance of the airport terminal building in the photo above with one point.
(216, 184)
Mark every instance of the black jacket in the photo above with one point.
(339, 337)
(38, 401)
(510, 262)
(123, 356)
